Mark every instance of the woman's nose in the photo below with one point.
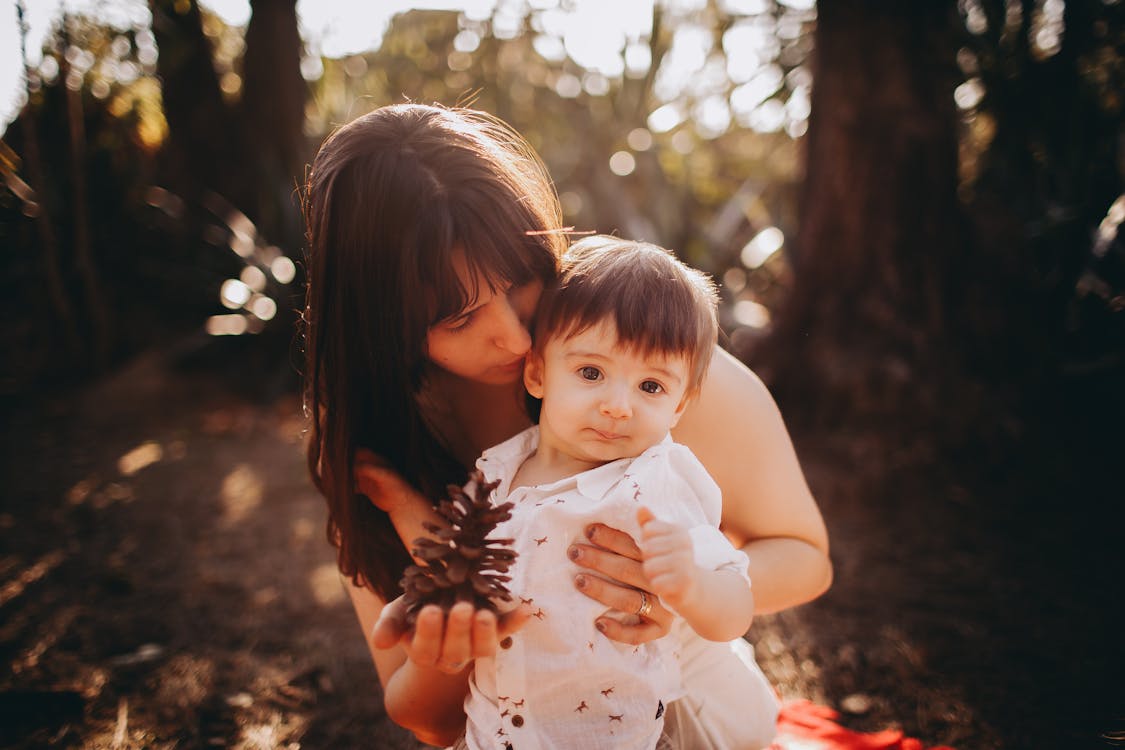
(616, 404)
(511, 333)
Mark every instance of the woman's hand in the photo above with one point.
(622, 585)
(408, 509)
(445, 643)
(382, 485)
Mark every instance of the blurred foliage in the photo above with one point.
(654, 152)
(1042, 162)
(686, 130)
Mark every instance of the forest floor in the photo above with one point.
(165, 582)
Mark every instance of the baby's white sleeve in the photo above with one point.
(713, 551)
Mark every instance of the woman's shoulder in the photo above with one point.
(731, 397)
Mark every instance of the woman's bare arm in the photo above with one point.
(424, 669)
(427, 700)
(734, 428)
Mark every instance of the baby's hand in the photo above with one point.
(668, 559)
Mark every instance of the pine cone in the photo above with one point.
(462, 564)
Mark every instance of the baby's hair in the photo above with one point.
(657, 304)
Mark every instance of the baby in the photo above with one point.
(621, 347)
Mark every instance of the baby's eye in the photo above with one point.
(651, 386)
(590, 373)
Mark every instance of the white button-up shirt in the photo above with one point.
(558, 682)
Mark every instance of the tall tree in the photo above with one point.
(273, 113)
(869, 325)
(205, 143)
(250, 153)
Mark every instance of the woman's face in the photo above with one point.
(488, 340)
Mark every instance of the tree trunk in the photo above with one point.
(273, 99)
(205, 150)
(273, 112)
(867, 328)
(36, 205)
(96, 305)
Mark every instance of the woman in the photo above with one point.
(431, 233)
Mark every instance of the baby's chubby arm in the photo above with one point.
(718, 604)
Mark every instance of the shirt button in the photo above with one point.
(517, 721)
(506, 643)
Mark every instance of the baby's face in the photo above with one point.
(602, 401)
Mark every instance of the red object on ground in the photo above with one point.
(803, 725)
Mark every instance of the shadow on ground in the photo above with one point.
(165, 582)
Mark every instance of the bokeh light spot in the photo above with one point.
(143, 455)
(663, 119)
(226, 325)
(568, 86)
(241, 494)
(765, 243)
(622, 163)
(639, 139)
(234, 294)
(734, 280)
(752, 314)
(263, 307)
(253, 277)
(324, 582)
(571, 202)
(283, 269)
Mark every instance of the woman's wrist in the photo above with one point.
(428, 702)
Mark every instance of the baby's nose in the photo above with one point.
(617, 406)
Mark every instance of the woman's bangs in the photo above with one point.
(447, 295)
(505, 260)
(435, 248)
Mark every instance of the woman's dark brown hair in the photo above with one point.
(389, 197)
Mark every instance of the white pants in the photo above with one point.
(728, 703)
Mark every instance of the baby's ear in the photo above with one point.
(533, 374)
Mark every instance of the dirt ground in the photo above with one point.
(165, 582)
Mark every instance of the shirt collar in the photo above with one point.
(504, 460)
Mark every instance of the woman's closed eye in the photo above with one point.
(590, 373)
(652, 387)
(455, 325)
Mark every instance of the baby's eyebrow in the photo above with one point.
(575, 354)
(667, 374)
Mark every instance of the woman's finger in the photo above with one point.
(610, 564)
(512, 621)
(613, 540)
(391, 625)
(426, 645)
(484, 634)
(623, 598)
(457, 645)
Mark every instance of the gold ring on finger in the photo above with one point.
(646, 606)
